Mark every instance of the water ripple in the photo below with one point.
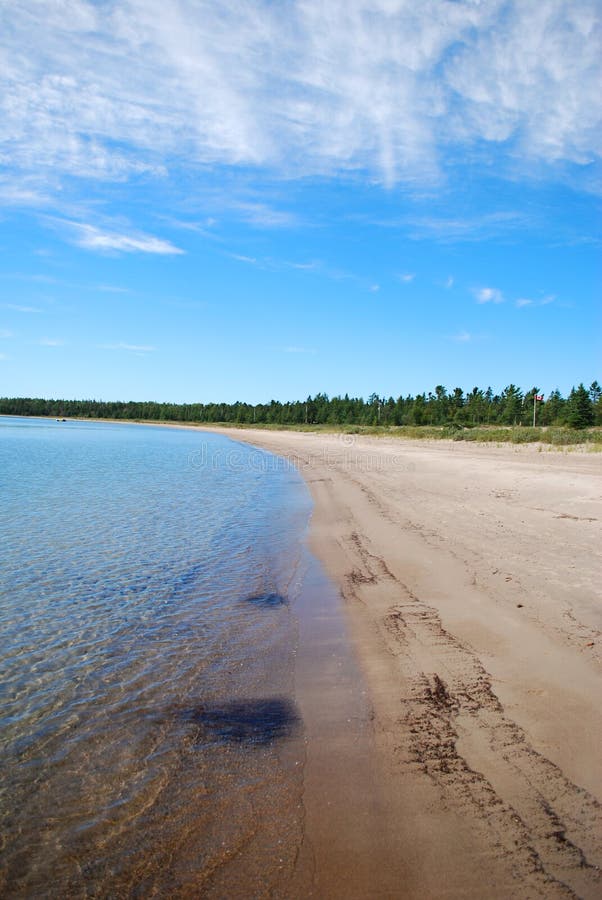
(123, 571)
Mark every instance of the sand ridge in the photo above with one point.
(471, 577)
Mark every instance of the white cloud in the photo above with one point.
(532, 77)
(251, 260)
(131, 348)
(92, 238)
(543, 301)
(463, 337)
(51, 342)
(449, 283)
(374, 288)
(407, 277)
(489, 295)
(388, 89)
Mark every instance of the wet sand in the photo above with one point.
(470, 576)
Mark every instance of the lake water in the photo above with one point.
(151, 744)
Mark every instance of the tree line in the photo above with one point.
(581, 409)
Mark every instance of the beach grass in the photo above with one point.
(552, 435)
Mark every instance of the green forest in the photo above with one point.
(452, 409)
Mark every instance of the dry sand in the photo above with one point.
(471, 581)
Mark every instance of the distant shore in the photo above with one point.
(546, 436)
(470, 576)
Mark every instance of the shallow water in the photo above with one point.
(151, 744)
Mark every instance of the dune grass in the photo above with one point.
(555, 436)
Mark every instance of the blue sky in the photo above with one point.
(252, 200)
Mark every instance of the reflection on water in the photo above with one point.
(245, 721)
(123, 570)
(267, 600)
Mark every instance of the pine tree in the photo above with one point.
(512, 404)
(553, 410)
(595, 392)
(580, 408)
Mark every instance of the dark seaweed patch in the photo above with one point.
(245, 721)
(271, 599)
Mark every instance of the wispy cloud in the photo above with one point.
(276, 265)
(465, 229)
(315, 267)
(4, 333)
(43, 278)
(390, 91)
(541, 301)
(294, 349)
(3, 357)
(51, 342)
(263, 216)
(131, 348)
(304, 266)
(463, 336)
(35, 277)
(22, 194)
(17, 307)
(200, 227)
(90, 237)
(449, 282)
(239, 257)
(110, 289)
(407, 277)
(489, 295)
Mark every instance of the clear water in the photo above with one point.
(151, 745)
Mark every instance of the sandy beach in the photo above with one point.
(470, 578)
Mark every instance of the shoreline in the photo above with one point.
(359, 432)
(450, 687)
(469, 582)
